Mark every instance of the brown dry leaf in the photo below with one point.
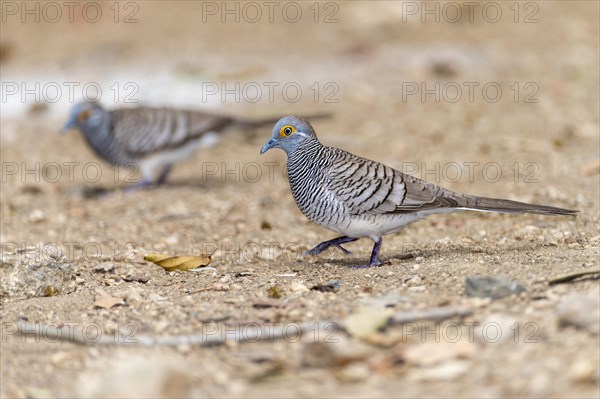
(184, 263)
(104, 300)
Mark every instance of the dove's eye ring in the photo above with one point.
(287, 131)
(84, 115)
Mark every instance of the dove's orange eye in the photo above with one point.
(84, 115)
(287, 130)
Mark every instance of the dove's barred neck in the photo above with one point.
(306, 173)
(326, 202)
(101, 140)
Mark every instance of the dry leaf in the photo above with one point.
(183, 263)
(104, 300)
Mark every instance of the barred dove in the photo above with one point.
(357, 197)
(151, 139)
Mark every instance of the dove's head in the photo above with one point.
(85, 116)
(289, 133)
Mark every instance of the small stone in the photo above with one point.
(36, 216)
(430, 353)
(448, 371)
(59, 358)
(583, 371)
(499, 328)
(389, 300)
(136, 278)
(340, 351)
(480, 302)
(491, 287)
(415, 280)
(133, 295)
(31, 189)
(172, 240)
(298, 287)
(355, 372)
(580, 310)
(264, 225)
(104, 267)
(332, 286)
(387, 339)
(184, 348)
(138, 376)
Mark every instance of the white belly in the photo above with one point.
(152, 164)
(373, 226)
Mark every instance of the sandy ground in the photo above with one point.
(538, 141)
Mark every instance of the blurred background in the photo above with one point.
(424, 86)
(450, 72)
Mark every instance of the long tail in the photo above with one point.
(508, 206)
(250, 123)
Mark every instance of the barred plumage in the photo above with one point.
(151, 138)
(358, 197)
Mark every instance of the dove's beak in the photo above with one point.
(71, 124)
(270, 144)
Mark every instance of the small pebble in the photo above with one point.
(447, 371)
(355, 372)
(36, 216)
(491, 287)
(339, 352)
(583, 371)
(298, 287)
(104, 267)
(580, 310)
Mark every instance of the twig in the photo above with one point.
(214, 337)
(219, 336)
(173, 217)
(431, 314)
(569, 277)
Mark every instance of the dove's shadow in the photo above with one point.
(453, 252)
(97, 191)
